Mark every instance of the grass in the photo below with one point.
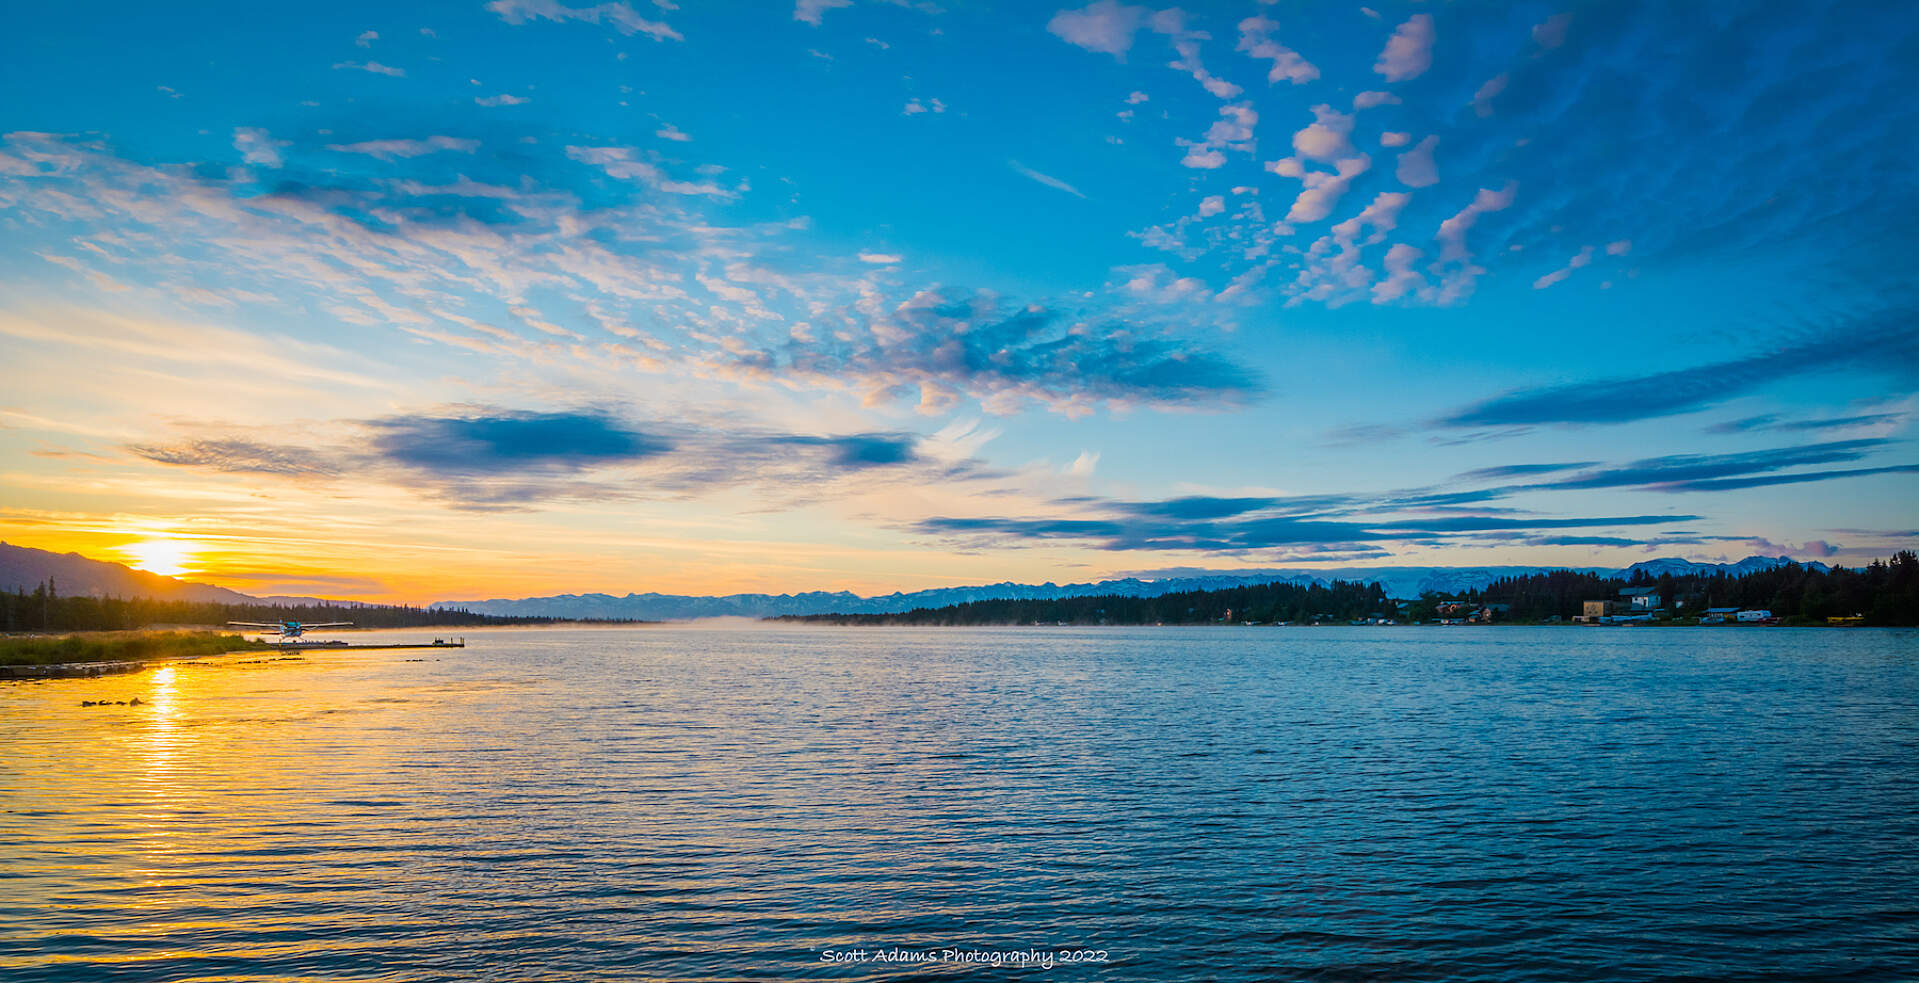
(117, 646)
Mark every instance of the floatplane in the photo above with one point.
(289, 632)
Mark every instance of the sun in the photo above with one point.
(166, 557)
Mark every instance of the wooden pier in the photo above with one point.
(349, 647)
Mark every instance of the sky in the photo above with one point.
(486, 299)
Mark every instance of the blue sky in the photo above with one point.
(529, 296)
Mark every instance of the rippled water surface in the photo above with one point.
(1223, 803)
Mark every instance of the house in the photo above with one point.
(1592, 611)
(1753, 616)
(1487, 612)
(1641, 598)
(1717, 616)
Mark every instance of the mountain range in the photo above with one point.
(1402, 582)
(23, 568)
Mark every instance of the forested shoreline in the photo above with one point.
(44, 609)
(1885, 593)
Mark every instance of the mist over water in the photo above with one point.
(1204, 803)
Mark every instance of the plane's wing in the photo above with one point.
(330, 624)
(254, 624)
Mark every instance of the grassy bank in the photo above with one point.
(117, 646)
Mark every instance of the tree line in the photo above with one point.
(1885, 592)
(1339, 601)
(45, 609)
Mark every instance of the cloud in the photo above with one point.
(861, 451)
(650, 286)
(879, 258)
(1582, 259)
(372, 66)
(1409, 52)
(1885, 346)
(1368, 100)
(1683, 472)
(1172, 23)
(1322, 191)
(1232, 131)
(502, 99)
(1767, 481)
(391, 149)
(944, 339)
(1483, 99)
(494, 442)
(1347, 521)
(625, 163)
(1255, 40)
(668, 131)
(1391, 138)
(1327, 138)
(1772, 422)
(1202, 157)
(1109, 27)
(490, 458)
(620, 16)
(1455, 265)
(811, 11)
(366, 39)
(914, 107)
(1045, 179)
(1212, 205)
(256, 146)
(1105, 26)
(1227, 525)
(236, 456)
(1551, 32)
(1416, 167)
(1505, 471)
(1402, 279)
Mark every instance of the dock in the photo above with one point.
(458, 643)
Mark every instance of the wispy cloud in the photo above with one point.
(392, 149)
(1045, 179)
(1886, 344)
(489, 458)
(812, 11)
(371, 66)
(256, 146)
(620, 16)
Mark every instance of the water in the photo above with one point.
(1211, 803)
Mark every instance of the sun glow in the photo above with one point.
(166, 557)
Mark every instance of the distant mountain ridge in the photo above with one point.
(23, 568)
(1404, 582)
